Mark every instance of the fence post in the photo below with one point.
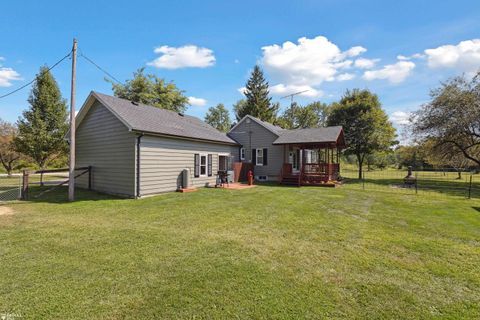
(89, 177)
(470, 187)
(416, 182)
(25, 185)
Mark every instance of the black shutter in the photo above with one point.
(196, 170)
(265, 152)
(209, 165)
(254, 157)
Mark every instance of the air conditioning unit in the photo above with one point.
(185, 178)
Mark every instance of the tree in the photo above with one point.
(239, 108)
(313, 115)
(42, 130)
(151, 90)
(411, 156)
(219, 118)
(444, 156)
(452, 118)
(366, 125)
(9, 157)
(258, 103)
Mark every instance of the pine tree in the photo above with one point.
(258, 103)
(42, 130)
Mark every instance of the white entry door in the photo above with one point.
(294, 157)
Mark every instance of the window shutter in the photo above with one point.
(196, 170)
(209, 165)
(254, 157)
(265, 152)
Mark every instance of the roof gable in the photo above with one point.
(270, 127)
(148, 119)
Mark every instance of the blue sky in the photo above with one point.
(398, 49)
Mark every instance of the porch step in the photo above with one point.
(290, 180)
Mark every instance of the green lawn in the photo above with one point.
(268, 252)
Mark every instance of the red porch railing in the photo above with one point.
(311, 173)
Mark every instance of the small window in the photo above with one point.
(259, 157)
(242, 153)
(203, 165)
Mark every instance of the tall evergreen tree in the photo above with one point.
(258, 103)
(152, 90)
(218, 118)
(41, 131)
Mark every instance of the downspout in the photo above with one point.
(139, 138)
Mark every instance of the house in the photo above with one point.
(137, 150)
(299, 157)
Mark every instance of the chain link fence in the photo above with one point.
(10, 187)
(432, 183)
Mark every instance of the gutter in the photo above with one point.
(139, 139)
(156, 134)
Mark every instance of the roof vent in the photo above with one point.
(135, 103)
(181, 114)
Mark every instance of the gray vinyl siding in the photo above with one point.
(261, 138)
(163, 159)
(104, 142)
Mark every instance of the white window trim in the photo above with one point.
(242, 153)
(256, 156)
(206, 165)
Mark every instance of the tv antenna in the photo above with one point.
(293, 95)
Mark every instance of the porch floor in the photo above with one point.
(292, 180)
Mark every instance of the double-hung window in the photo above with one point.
(260, 157)
(203, 165)
(242, 153)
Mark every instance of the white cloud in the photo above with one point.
(413, 56)
(7, 75)
(283, 90)
(345, 76)
(236, 61)
(464, 56)
(394, 73)
(400, 117)
(189, 56)
(197, 102)
(363, 63)
(242, 90)
(308, 62)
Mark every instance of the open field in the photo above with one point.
(430, 183)
(267, 252)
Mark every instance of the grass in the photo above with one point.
(269, 252)
(429, 183)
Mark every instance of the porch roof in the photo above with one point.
(319, 136)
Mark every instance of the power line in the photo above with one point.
(98, 67)
(35, 79)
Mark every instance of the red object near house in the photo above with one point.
(250, 177)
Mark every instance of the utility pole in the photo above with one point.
(71, 171)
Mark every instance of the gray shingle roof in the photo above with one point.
(269, 126)
(154, 120)
(310, 135)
